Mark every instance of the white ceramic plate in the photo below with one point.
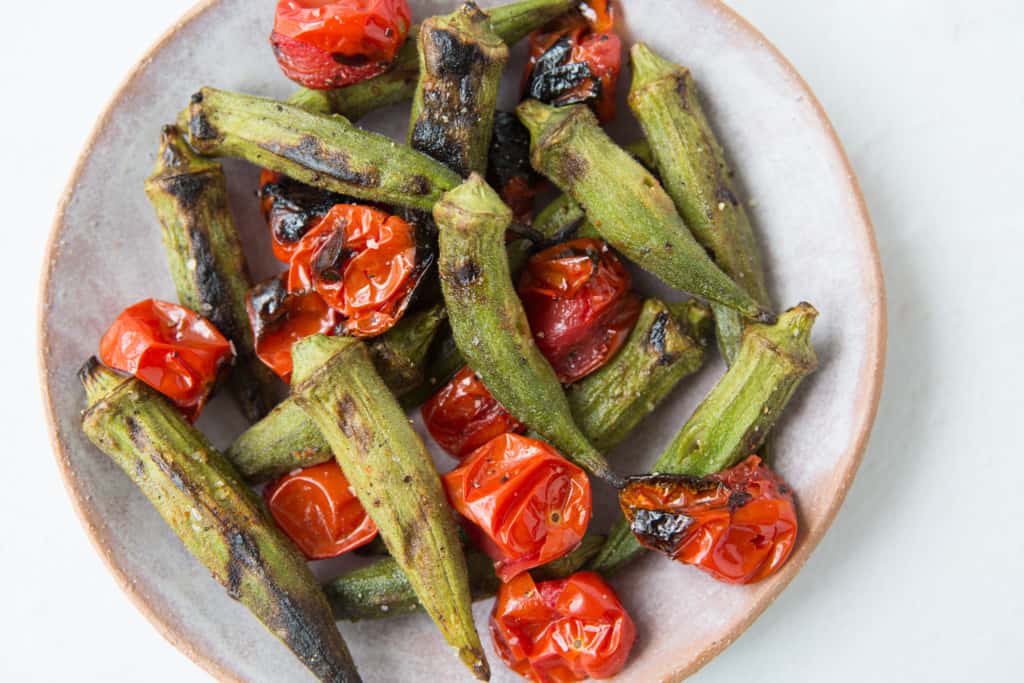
(814, 229)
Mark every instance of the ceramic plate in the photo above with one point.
(818, 244)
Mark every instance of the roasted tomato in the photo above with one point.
(463, 415)
(363, 263)
(563, 630)
(509, 169)
(292, 209)
(738, 525)
(316, 508)
(323, 44)
(171, 349)
(528, 505)
(280, 318)
(578, 302)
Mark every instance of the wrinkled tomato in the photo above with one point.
(280, 318)
(292, 209)
(738, 525)
(323, 44)
(171, 349)
(528, 505)
(362, 261)
(578, 302)
(463, 415)
(561, 631)
(316, 508)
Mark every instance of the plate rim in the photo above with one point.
(866, 406)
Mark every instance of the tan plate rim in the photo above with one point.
(867, 401)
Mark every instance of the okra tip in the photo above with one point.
(310, 354)
(176, 157)
(99, 380)
(471, 21)
(792, 332)
(475, 200)
(649, 67)
(474, 658)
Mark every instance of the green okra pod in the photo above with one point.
(694, 172)
(625, 203)
(393, 476)
(216, 516)
(735, 417)
(323, 151)
(461, 62)
(490, 326)
(205, 256)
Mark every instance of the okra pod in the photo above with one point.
(461, 62)
(205, 256)
(323, 151)
(625, 203)
(490, 326)
(381, 589)
(393, 476)
(735, 417)
(694, 172)
(216, 516)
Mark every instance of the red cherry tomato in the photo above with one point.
(316, 508)
(324, 44)
(280, 318)
(171, 349)
(292, 209)
(738, 525)
(528, 504)
(362, 261)
(578, 302)
(561, 631)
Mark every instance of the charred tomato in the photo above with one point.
(292, 209)
(509, 169)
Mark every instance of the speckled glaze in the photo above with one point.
(105, 253)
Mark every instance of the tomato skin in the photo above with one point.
(170, 348)
(739, 525)
(577, 300)
(316, 508)
(561, 631)
(528, 503)
(322, 44)
(291, 210)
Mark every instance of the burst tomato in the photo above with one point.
(738, 525)
(324, 44)
(292, 209)
(316, 508)
(561, 631)
(528, 505)
(171, 349)
(578, 302)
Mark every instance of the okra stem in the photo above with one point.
(215, 515)
(393, 476)
(735, 417)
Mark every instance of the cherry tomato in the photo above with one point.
(508, 167)
(528, 505)
(171, 349)
(280, 318)
(561, 631)
(323, 44)
(316, 508)
(738, 525)
(600, 14)
(292, 209)
(578, 302)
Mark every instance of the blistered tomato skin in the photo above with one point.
(528, 504)
(171, 349)
(739, 526)
(316, 508)
(561, 631)
(291, 210)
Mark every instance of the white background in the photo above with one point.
(920, 577)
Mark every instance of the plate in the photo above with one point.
(105, 254)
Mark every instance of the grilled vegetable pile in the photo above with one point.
(419, 276)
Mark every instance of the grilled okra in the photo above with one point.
(216, 516)
(393, 476)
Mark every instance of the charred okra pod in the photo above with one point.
(381, 589)
(625, 203)
(693, 169)
(461, 62)
(393, 476)
(736, 416)
(216, 516)
(323, 151)
(205, 256)
(666, 344)
(490, 326)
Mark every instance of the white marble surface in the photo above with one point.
(918, 579)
